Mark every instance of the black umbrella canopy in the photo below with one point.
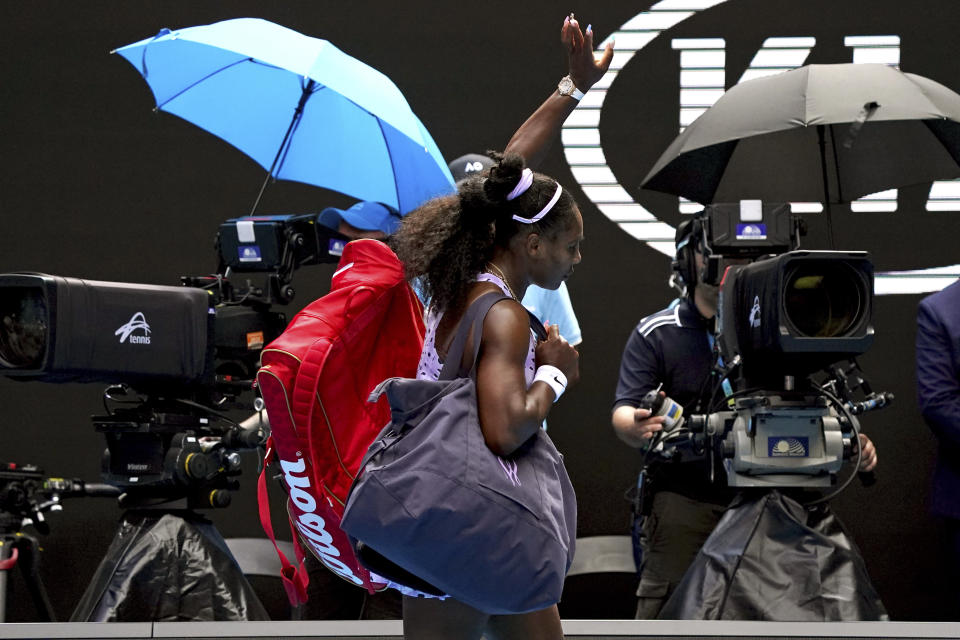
(862, 128)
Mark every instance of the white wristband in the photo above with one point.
(553, 377)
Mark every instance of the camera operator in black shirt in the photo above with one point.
(678, 503)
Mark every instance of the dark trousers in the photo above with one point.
(952, 528)
(670, 538)
(330, 597)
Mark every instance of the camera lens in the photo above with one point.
(823, 299)
(23, 329)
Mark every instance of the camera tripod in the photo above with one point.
(167, 562)
(25, 495)
(20, 549)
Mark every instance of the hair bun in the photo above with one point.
(503, 177)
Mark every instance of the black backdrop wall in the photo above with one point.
(94, 184)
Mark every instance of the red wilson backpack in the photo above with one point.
(315, 379)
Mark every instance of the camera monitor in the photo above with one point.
(745, 230)
(277, 243)
(750, 229)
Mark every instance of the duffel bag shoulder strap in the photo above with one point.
(536, 325)
(473, 319)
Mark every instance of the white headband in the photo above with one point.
(545, 210)
(526, 179)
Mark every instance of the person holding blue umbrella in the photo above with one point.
(365, 219)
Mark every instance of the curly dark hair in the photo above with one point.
(449, 240)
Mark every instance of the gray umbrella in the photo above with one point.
(831, 132)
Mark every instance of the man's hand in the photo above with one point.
(646, 426)
(868, 454)
(585, 69)
(635, 426)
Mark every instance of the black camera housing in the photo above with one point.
(162, 338)
(59, 329)
(795, 313)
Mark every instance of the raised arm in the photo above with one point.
(532, 140)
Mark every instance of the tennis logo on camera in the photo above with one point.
(755, 313)
(137, 322)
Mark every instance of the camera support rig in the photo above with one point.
(776, 441)
(25, 495)
(164, 456)
(789, 438)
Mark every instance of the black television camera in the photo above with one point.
(784, 316)
(176, 357)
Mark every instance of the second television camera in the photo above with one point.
(176, 357)
(784, 316)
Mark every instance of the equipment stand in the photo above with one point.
(23, 550)
(168, 565)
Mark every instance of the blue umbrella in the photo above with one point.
(298, 106)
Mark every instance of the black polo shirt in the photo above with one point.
(673, 347)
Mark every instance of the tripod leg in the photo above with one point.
(8, 558)
(30, 567)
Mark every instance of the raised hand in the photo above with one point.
(585, 68)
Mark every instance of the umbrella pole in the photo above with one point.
(297, 114)
(826, 188)
(263, 188)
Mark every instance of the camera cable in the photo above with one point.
(856, 437)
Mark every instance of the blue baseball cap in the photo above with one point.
(371, 216)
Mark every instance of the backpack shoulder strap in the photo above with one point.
(294, 576)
